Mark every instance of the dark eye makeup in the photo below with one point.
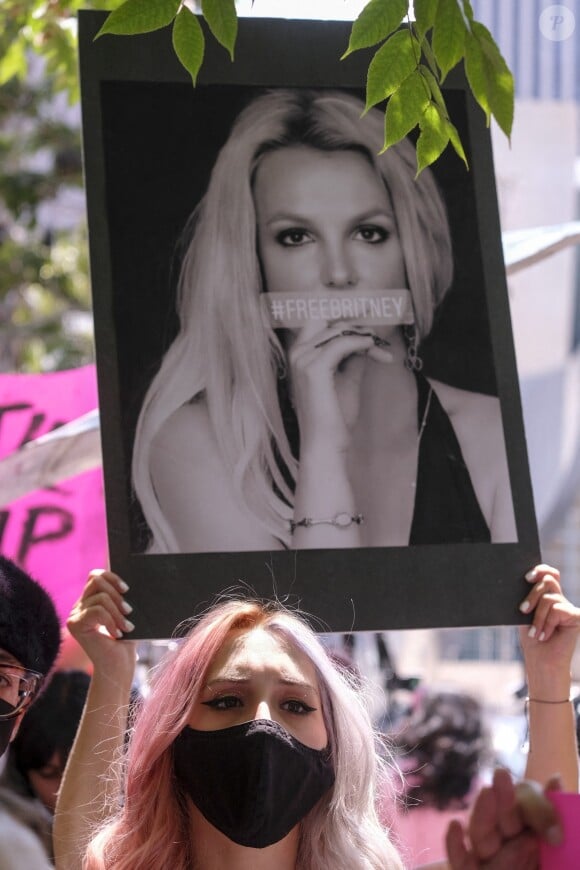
(372, 233)
(231, 702)
(225, 702)
(300, 708)
(293, 237)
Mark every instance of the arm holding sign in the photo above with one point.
(89, 791)
(548, 645)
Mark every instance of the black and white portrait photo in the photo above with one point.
(327, 432)
(299, 344)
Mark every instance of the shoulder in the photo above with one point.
(469, 412)
(477, 423)
(464, 402)
(186, 430)
(196, 491)
(185, 452)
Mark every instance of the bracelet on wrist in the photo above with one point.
(542, 701)
(341, 520)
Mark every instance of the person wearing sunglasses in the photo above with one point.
(29, 645)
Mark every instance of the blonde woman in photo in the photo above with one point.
(327, 433)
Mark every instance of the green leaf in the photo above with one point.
(449, 32)
(489, 77)
(14, 62)
(468, 10)
(376, 22)
(222, 21)
(433, 138)
(188, 41)
(392, 63)
(435, 89)
(405, 108)
(430, 57)
(139, 16)
(425, 11)
(456, 141)
(475, 70)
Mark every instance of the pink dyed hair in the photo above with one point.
(152, 828)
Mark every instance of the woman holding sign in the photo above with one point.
(254, 750)
(291, 410)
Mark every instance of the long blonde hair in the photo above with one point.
(223, 349)
(152, 828)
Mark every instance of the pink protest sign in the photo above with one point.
(57, 534)
(566, 856)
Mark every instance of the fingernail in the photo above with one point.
(531, 574)
(123, 586)
(542, 636)
(525, 606)
(126, 607)
(554, 835)
(128, 625)
(532, 631)
(118, 633)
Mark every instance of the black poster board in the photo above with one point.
(150, 141)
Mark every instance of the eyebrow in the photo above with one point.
(366, 215)
(7, 659)
(242, 680)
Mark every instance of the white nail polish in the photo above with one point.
(525, 606)
(123, 586)
(532, 631)
(118, 634)
(542, 636)
(128, 625)
(531, 574)
(126, 607)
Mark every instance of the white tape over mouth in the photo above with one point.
(365, 307)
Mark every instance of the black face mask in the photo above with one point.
(254, 782)
(6, 725)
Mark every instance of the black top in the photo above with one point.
(446, 507)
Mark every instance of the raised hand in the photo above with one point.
(555, 619)
(98, 621)
(89, 787)
(548, 645)
(504, 827)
